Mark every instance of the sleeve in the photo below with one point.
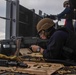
(55, 45)
(65, 11)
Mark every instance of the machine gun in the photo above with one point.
(8, 47)
(8, 63)
(28, 41)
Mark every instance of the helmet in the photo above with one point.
(66, 2)
(44, 24)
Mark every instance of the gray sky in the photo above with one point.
(47, 6)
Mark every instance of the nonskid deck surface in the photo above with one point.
(37, 66)
(34, 68)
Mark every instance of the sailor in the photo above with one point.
(57, 39)
(68, 14)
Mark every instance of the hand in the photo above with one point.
(34, 47)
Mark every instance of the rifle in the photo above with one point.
(7, 63)
(28, 41)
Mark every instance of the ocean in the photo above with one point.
(2, 21)
(2, 28)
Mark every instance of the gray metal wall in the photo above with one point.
(22, 20)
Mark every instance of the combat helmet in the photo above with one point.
(66, 2)
(44, 24)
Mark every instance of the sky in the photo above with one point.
(46, 6)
